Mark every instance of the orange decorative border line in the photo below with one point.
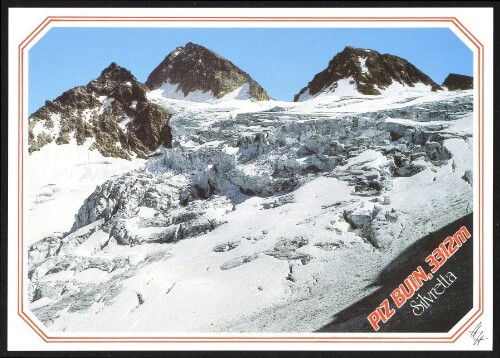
(317, 338)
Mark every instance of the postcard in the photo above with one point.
(250, 179)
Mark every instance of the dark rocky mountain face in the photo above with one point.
(112, 109)
(194, 67)
(368, 70)
(458, 82)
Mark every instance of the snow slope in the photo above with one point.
(263, 217)
(59, 178)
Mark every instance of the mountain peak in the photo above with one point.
(114, 72)
(112, 66)
(112, 109)
(356, 49)
(196, 73)
(192, 45)
(455, 82)
(364, 71)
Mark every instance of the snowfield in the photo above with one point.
(59, 178)
(264, 216)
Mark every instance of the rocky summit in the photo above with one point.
(195, 70)
(364, 71)
(112, 110)
(458, 82)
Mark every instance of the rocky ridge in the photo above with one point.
(112, 110)
(367, 71)
(194, 68)
(458, 82)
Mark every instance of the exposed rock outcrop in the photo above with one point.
(194, 68)
(458, 82)
(112, 110)
(366, 72)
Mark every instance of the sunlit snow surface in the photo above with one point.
(171, 91)
(346, 87)
(58, 179)
(272, 258)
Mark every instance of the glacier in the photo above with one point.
(264, 216)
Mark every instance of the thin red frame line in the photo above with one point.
(19, 183)
(256, 341)
(229, 20)
(188, 338)
(35, 328)
(466, 325)
(481, 154)
(22, 188)
(478, 313)
(21, 312)
(481, 187)
(480, 48)
(249, 18)
(402, 18)
(481, 157)
(464, 28)
(38, 31)
(32, 32)
(269, 19)
(249, 339)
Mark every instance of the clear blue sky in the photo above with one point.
(282, 60)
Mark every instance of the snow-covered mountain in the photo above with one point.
(356, 71)
(112, 111)
(195, 73)
(257, 216)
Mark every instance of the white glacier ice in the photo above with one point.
(263, 216)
